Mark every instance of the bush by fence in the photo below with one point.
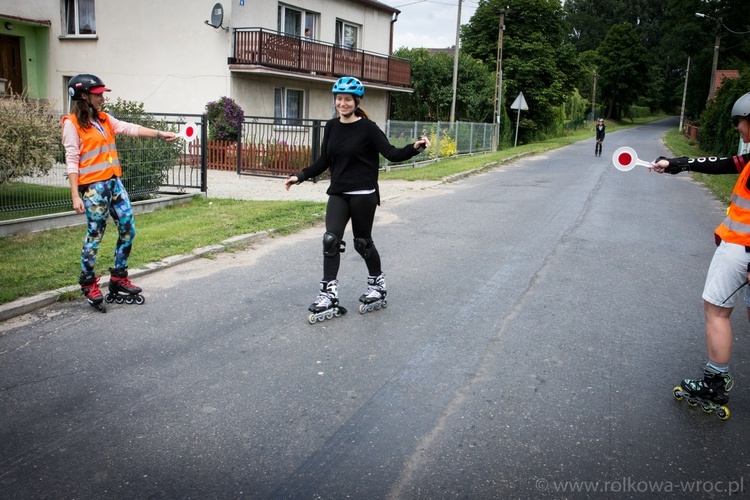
(144, 161)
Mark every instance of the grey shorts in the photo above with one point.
(728, 271)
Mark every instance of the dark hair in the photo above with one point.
(359, 111)
(84, 111)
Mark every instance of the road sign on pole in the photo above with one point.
(519, 104)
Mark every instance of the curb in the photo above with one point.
(28, 304)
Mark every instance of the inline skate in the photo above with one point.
(326, 305)
(709, 392)
(121, 289)
(374, 298)
(90, 288)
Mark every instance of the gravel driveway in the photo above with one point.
(223, 184)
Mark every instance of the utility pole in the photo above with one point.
(455, 63)
(499, 82)
(716, 60)
(593, 99)
(684, 95)
(715, 63)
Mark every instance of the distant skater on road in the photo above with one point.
(729, 269)
(600, 133)
(351, 147)
(95, 175)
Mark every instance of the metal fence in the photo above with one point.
(447, 138)
(267, 146)
(149, 167)
(280, 147)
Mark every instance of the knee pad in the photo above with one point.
(364, 247)
(332, 246)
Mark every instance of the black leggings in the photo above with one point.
(360, 208)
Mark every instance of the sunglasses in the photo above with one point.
(736, 120)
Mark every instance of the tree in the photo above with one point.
(30, 138)
(624, 71)
(717, 130)
(538, 60)
(591, 20)
(670, 31)
(432, 81)
(145, 162)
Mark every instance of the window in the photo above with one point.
(347, 34)
(297, 22)
(287, 106)
(79, 18)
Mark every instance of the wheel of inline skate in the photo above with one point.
(119, 299)
(140, 299)
(311, 318)
(362, 308)
(692, 402)
(677, 393)
(722, 412)
(707, 408)
(129, 299)
(109, 298)
(329, 315)
(385, 304)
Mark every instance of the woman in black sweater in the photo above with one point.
(351, 145)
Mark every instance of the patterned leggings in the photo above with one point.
(100, 200)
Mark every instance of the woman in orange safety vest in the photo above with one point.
(95, 175)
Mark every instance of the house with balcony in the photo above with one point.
(274, 58)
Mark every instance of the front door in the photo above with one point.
(10, 62)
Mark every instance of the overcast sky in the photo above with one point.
(428, 23)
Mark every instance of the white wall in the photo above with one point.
(161, 52)
(157, 52)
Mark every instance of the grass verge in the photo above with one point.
(720, 185)
(37, 262)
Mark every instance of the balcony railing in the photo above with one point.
(261, 47)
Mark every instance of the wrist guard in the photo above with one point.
(676, 165)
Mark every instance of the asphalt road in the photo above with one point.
(539, 316)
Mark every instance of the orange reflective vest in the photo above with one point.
(736, 226)
(98, 160)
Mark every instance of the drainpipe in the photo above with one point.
(390, 55)
(395, 18)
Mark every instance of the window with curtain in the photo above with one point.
(79, 17)
(291, 20)
(288, 105)
(347, 34)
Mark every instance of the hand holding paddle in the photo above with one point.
(189, 133)
(625, 159)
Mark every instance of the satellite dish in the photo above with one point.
(217, 17)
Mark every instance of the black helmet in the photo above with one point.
(741, 107)
(85, 83)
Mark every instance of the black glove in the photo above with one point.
(676, 165)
